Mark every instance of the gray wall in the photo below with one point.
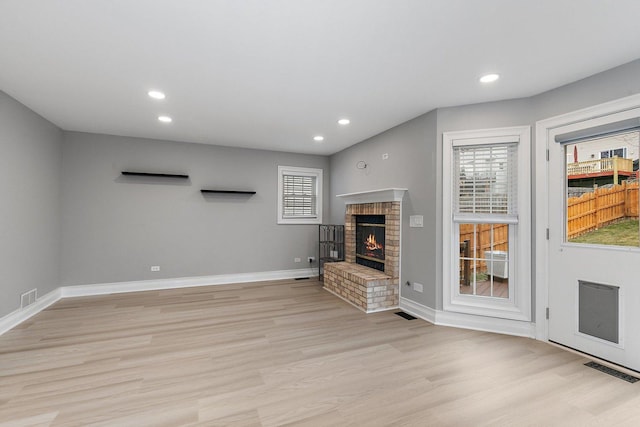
(612, 84)
(115, 228)
(412, 164)
(30, 210)
(415, 162)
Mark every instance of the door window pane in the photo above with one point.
(602, 190)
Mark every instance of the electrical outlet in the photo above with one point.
(296, 260)
(416, 221)
(417, 287)
(155, 268)
(311, 259)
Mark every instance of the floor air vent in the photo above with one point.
(405, 315)
(612, 372)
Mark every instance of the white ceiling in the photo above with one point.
(271, 74)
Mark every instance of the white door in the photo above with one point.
(594, 254)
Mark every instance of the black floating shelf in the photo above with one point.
(203, 191)
(157, 175)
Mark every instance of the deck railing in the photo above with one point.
(611, 165)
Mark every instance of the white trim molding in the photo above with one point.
(418, 310)
(469, 321)
(183, 282)
(13, 319)
(374, 196)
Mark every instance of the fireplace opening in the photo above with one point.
(370, 231)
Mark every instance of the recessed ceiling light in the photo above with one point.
(318, 138)
(156, 94)
(165, 119)
(344, 121)
(488, 78)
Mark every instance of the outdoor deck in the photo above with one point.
(613, 166)
(483, 288)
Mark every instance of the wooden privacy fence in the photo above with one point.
(481, 239)
(473, 244)
(601, 207)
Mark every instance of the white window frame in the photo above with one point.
(518, 305)
(299, 171)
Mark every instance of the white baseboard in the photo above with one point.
(183, 282)
(469, 321)
(13, 319)
(418, 310)
(487, 324)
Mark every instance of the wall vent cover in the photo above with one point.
(28, 298)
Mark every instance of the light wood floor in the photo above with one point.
(282, 353)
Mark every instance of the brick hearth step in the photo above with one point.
(368, 289)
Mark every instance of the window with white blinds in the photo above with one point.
(299, 195)
(486, 182)
(486, 223)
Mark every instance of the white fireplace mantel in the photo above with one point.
(374, 196)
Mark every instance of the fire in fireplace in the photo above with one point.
(370, 230)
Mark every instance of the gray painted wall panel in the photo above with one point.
(30, 210)
(115, 228)
(603, 87)
(411, 164)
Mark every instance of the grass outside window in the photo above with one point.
(622, 233)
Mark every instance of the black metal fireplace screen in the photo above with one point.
(370, 241)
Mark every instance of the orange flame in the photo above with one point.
(371, 243)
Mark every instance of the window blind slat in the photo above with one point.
(299, 198)
(486, 180)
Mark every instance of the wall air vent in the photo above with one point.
(28, 298)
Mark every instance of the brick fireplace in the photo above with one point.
(368, 288)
